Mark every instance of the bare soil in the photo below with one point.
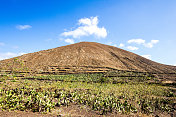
(89, 57)
(90, 54)
(77, 111)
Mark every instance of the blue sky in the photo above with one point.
(145, 27)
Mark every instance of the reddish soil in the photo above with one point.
(89, 54)
(76, 111)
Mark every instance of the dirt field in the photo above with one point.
(90, 54)
(76, 111)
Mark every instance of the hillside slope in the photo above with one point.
(89, 54)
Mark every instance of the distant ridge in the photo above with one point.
(89, 54)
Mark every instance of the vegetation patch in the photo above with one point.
(105, 97)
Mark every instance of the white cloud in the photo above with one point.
(151, 43)
(49, 39)
(174, 64)
(137, 41)
(121, 45)
(87, 27)
(71, 41)
(147, 56)
(22, 53)
(9, 55)
(143, 42)
(109, 43)
(132, 48)
(2, 44)
(23, 27)
(15, 47)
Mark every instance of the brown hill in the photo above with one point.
(88, 55)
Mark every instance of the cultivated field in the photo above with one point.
(99, 94)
